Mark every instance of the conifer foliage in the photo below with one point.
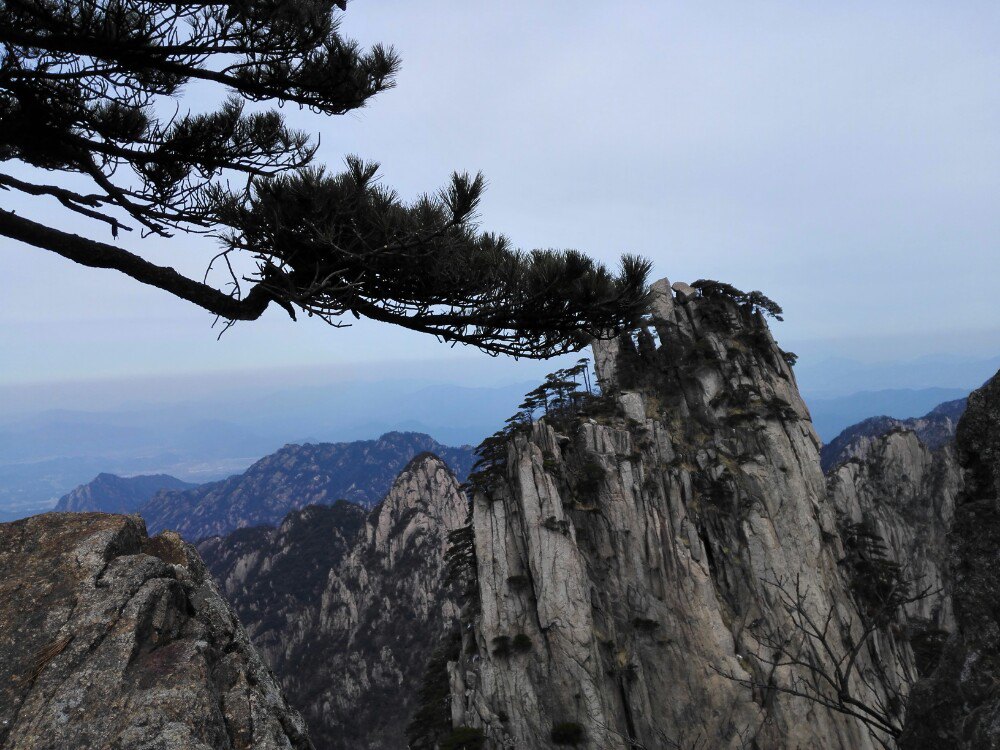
(95, 115)
(562, 395)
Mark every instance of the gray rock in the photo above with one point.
(685, 292)
(663, 300)
(112, 640)
(906, 492)
(632, 405)
(605, 362)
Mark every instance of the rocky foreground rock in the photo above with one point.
(112, 640)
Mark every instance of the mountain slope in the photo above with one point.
(294, 477)
(347, 605)
(110, 493)
(900, 489)
(110, 639)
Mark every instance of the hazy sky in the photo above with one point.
(842, 157)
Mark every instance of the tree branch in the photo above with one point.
(100, 255)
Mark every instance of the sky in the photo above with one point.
(844, 158)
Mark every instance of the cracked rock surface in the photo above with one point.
(113, 640)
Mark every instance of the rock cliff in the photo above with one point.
(958, 706)
(347, 606)
(637, 561)
(904, 492)
(110, 639)
(293, 477)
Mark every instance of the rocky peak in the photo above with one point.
(629, 560)
(370, 602)
(414, 507)
(112, 639)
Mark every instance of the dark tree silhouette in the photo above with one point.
(91, 92)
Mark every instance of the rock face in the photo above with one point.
(346, 606)
(959, 706)
(294, 477)
(905, 492)
(110, 493)
(110, 639)
(935, 429)
(630, 560)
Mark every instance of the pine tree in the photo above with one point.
(92, 93)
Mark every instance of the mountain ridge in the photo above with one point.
(293, 477)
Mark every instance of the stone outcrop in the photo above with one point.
(959, 705)
(630, 559)
(347, 606)
(936, 429)
(110, 639)
(294, 477)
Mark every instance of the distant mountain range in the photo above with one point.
(294, 477)
(831, 416)
(46, 453)
(360, 471)
(935, 429)
(113, 494)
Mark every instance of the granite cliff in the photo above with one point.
(636, 563)
(903, 491)
(110, 639)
